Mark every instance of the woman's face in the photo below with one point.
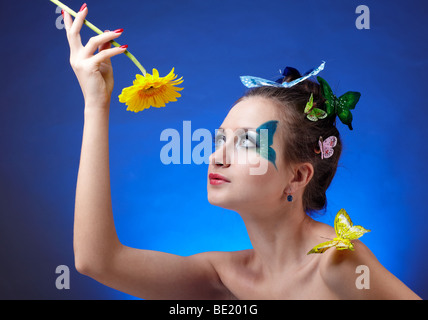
(249, 156)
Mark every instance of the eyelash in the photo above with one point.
(223, 138)
(215, 139)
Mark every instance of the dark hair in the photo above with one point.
(300, 135)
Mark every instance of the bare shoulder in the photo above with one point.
(225, 258)
(359, 275)
(228, 262)
(229, 267)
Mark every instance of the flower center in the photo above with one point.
(149, 91)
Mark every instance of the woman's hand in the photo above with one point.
(94, 71)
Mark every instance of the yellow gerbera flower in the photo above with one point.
(151, 91)
(147, 90)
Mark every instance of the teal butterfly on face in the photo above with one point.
(253, 82)
(264, 144)
(339, 106)
(312, 113)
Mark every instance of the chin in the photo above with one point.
(215, 200)
(219, 200)
(224, 201)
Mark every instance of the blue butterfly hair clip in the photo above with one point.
(253, 82)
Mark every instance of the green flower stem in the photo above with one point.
(94, 28)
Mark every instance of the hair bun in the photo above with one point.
(289, 74)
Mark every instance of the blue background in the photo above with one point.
(382, 176)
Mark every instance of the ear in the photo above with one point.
(302, 174)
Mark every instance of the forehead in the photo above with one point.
(250, 113)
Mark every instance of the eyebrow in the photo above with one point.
(245, 128)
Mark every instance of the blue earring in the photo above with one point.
(289, 198)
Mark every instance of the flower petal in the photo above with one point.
(151, 91)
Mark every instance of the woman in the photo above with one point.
(273, 205)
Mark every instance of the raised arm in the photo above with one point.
(98, 251)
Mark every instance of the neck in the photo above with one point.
(278, 235)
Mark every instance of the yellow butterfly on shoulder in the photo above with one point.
(345, 232)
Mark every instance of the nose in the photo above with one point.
(220, 157)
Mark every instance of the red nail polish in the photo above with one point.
(124, 46)
(83, 7)
(62, 12)
(118, 31)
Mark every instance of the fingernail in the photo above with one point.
(118, 31)
(62, 12)
(83, 7)
(124, 46)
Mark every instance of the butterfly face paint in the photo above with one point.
(265, 150)
(259, 140)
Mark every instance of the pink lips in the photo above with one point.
(216, 179)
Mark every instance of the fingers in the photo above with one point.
(68, 21)
(106, 45)
(74, 31)
(73, 28)
(107, 54)
(102, 40)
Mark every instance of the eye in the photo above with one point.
(247, 140)
(219, 140)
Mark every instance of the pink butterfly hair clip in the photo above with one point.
(326, 146)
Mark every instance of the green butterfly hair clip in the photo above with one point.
(312, 113)
(339, 106)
